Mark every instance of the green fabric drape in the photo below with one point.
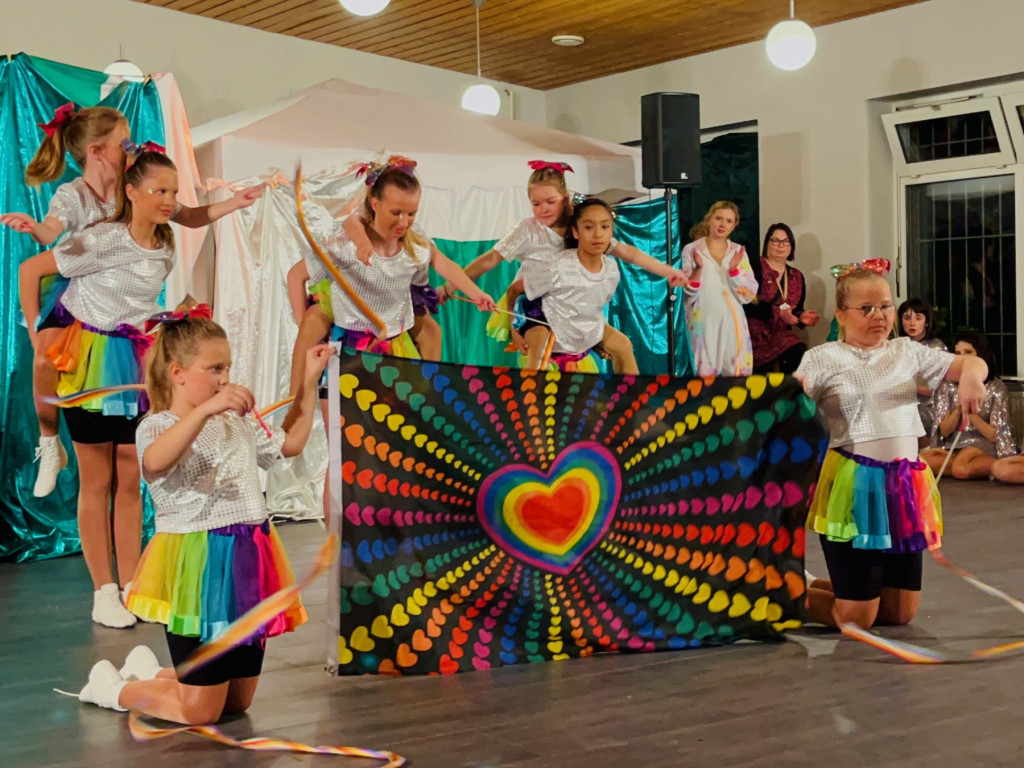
(729, 169)
(30, 90)
(639, 306)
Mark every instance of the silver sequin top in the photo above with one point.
(871, 394)
(76, 206)
(573, 297)
(530, 238)
(114, 280)
(383, 285)
(995, 410)
(215, 483)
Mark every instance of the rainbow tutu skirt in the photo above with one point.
(892, 506)
(198, 583)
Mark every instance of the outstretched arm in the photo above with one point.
(970, 372)
(635, 256)
(43, 232)
(299, 421)
(298, 276)
(461, 281)
(204, 215)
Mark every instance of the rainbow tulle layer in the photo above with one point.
(320, 293)
(198, 583)
(499, 324)
(891, 506)
(51, 288)
(89, 358)
(401, 345)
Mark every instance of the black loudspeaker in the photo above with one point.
(670, 139)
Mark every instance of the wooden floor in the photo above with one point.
(813, 701)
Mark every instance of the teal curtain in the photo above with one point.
(462, 325)
(30, 90)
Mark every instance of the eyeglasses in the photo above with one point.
(777, 241)
(869, 309)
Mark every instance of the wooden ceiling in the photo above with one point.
(516, 34)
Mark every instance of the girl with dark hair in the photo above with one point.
(566, 295)
(917, 322)
(116, 270)
(779, 308)
(94, 138)
(987, 435)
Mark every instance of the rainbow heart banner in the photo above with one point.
(495, 516)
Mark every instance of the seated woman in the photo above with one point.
(566, 295)
(987, 437)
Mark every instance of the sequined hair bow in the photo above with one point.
(540, 165)
(374, 170)
(133, 150)
(878, 266)
(61, 115)
(175, 316)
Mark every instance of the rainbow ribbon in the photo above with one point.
(77, 398)
(237, 633)
(916, 654)
(246, 625)
(145, 732)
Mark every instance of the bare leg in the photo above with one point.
(426, 333)
(127, 512)
(326, 413)
(536, 339)
(820, 605)
(314, 327)
(971, 464)
(618, 345)
(934, 458)
(898, 606)
(860, 612)
(240, 694)
(95, 471)
(1009, 470)
(168, 699)
(44, 382)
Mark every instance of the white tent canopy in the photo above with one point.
(459, 153)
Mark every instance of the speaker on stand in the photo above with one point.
(670, 158)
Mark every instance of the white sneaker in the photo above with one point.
(104, 687)
(108, 610)
(52, 459)
(140, 664)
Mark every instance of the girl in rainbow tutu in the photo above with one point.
(215, 554)
(876, 507)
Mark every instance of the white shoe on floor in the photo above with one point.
(108, 610)
(140, 664)
(104, 686)
(52, 459)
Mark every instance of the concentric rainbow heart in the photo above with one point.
(552, 520)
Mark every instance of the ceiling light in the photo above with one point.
(791, 43)
(480, 97)
(364, 7)
(568, 41)
(125, 70)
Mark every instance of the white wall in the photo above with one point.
(221, 68)
(824, 165)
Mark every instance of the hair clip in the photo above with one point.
(878, 266)
(539, 165)
(373, 170)
(133, 150)
(175, 316)
(61, 115)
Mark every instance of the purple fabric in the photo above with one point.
(363, 341)
(424, 299)
(904, 523)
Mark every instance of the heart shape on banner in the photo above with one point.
(552, 520)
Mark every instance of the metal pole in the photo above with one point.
(671, 290)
